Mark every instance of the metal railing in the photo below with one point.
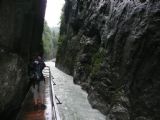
(55, 112)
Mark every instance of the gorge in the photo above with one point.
(111, 47)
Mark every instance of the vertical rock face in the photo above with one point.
(112, 47)
(21, 26)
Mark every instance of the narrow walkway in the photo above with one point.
(75, 105)
(29, 113)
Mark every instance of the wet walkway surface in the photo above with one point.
(28, 112)
(75, 105)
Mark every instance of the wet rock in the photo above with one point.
(122, 39)
(142, 118)
(21, 26)
(14, 83)
(118, 112)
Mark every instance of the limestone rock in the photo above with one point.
(122, 39)
(21, 27)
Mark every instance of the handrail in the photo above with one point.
(53, 96)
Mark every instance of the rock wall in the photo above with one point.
(21, 26)
(112, 48)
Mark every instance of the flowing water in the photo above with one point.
(75, 105)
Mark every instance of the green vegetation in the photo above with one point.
(50, 41)
(97, 59)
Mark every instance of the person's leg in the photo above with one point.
(35, 95)
(42, 88)
(42, 95)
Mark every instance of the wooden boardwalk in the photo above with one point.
(50, 113)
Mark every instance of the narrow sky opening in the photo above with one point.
(53, 12)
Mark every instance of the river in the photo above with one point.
(75, 105)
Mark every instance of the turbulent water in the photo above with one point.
(75, 105)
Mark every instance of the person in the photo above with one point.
(37, 81)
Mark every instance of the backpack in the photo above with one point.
(38, 70)
(34, 76)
